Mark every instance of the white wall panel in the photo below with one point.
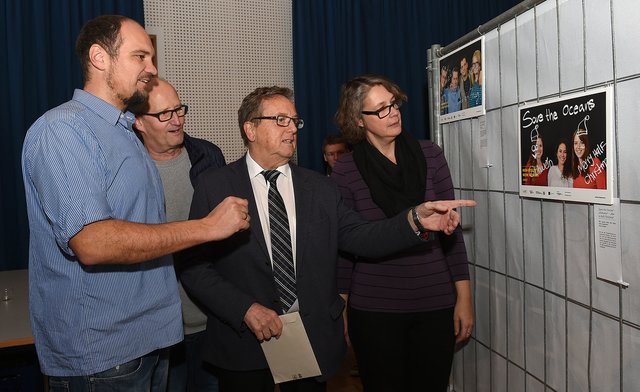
(498, 374)
(513, 237)
(626, 31)
(509, 125)
(482, 228)
(492, 69)
(598, 48)
(495, 150)
(630, 355)
(532, 223)
(497, 232)
(483, 306)
(555, 344)
(629, 229)
(499, 314)
(515, 320)
(547, 48)
(628, 125)
(578, 349)
(534, 330)
(526, 61)
(570, 29)
(577, 243)
(484, 369)
(605, 366)
(466, 152)
(516, 378)
(553, 240)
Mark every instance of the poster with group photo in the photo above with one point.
(462, 83)
(566, 148)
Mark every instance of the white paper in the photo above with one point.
(290, 357)
(483, 143)
(607, 231)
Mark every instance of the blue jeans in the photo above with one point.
(187, 371)
(148, 373)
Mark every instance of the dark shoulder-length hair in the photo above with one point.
(566, 169)
(352, 96)
(576, 171)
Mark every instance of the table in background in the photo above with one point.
(19, 369)
(15, 327)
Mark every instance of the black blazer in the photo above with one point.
(228, 276)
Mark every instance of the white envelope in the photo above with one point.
(290, 357)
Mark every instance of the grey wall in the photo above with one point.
(543, 320)
(217, 52)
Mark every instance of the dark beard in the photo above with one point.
(138, 98)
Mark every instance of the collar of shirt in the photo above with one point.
(107, 111)
(255, 169)
(260, 188)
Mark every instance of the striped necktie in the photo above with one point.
(283, 271)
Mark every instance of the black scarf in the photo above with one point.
(393, 187)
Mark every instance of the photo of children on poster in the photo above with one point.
(461, 83)
(565, 148)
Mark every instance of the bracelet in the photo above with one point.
(416, 221)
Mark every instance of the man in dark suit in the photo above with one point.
(239, 280)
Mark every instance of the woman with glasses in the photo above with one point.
(407, 311)
(475, 94)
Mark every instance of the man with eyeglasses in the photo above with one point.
(103, 297)
(179, 158)
(286, 262)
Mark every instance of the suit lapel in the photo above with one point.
(242, 182)
(303, 194)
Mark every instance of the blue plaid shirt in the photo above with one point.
(82, 163)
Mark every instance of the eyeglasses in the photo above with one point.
(283, 121)
(475, 63)
(383, 111)
(167, 115)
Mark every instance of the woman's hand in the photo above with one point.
(463, 318)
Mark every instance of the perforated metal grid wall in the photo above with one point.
(215, 53)
(544, 322)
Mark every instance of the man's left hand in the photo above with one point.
(440, 215)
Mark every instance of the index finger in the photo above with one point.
(459, 203)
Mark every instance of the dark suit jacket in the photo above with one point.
(230, 275)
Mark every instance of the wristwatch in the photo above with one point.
(416, 220)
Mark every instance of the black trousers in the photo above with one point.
(403, 352)
(262, 381)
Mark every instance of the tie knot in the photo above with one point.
(271, 175)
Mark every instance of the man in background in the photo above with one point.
(103, 297)
(179, 159)
(333, 147)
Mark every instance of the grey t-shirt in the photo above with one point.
(178, 193)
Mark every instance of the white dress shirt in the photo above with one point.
(260, 193)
